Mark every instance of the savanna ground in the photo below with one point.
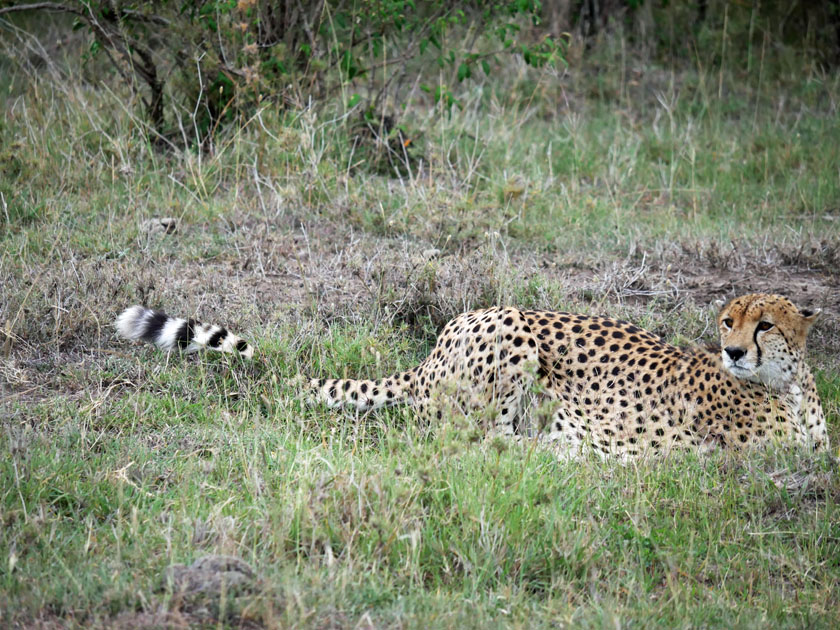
(621, 186)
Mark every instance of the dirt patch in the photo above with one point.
(809, 274)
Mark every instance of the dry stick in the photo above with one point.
(197, 103)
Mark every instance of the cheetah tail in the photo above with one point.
(362, 395)
(173, 333)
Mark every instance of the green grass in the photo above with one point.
(407, 525)
(117, 462)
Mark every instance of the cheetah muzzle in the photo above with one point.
(598, 383)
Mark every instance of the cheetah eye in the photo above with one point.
(764, 326)
(728, 322)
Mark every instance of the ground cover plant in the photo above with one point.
(144, 490)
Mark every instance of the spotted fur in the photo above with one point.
(596, 382)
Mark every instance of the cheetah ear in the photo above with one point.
(810, 315)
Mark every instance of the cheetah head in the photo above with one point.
(763, 338)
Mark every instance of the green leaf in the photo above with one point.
(464, 72)
(485, 66)
(353, 101)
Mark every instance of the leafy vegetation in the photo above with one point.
(210, 62)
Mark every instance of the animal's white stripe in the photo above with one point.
(203, 332)
(128, 323)
(229, 343)
(167, 338)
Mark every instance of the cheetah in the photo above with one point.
(599, 383)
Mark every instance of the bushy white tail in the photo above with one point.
(174, 333)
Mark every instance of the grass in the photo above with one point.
(408, 526)
(645, 201)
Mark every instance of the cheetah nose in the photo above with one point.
(734, 352)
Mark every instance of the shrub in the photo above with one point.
(206, 61)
